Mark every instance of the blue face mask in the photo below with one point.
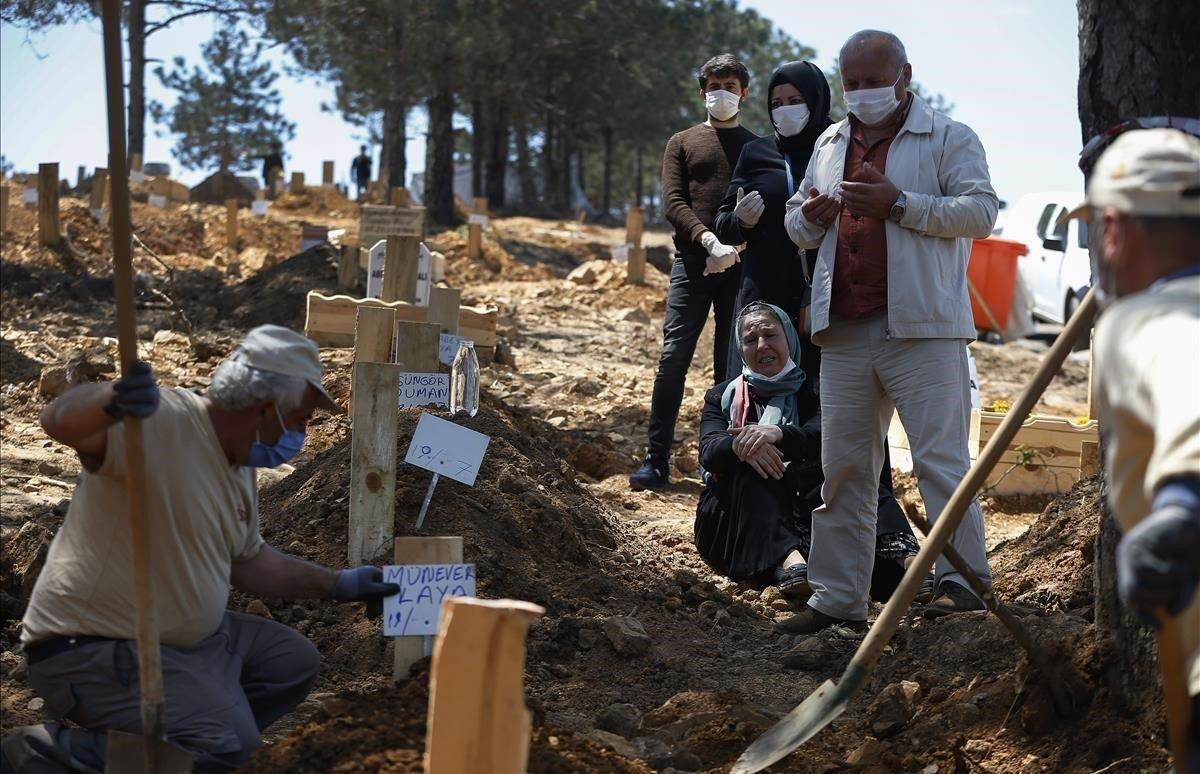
(288, 446)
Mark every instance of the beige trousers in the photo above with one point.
(864, 374)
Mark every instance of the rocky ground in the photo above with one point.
(645, 661)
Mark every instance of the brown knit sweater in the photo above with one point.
(697, 165)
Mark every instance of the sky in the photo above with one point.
(1009, 66)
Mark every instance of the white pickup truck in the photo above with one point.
(1056, 270)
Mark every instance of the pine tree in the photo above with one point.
(228, 111)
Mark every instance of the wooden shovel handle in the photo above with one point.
(885, 626)
(149, 661)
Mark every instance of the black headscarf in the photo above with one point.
(811, 83)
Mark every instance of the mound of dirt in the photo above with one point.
(277, 294)
(318, 201)
(495, 262)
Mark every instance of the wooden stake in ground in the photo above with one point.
(635, 227)
(154, 755)
(416, 346)
(348, 267)
(444, 304)
(421, 550)
(477, 715)
(327, 173)
(97, 197)
(231, 224)
(297, 186)
(400, 269)
(49, 234)
(475, 228)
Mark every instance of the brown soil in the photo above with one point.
(551, 520)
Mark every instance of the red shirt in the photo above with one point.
(860, 265)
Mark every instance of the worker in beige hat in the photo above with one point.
(1143, 207)
(227, 675)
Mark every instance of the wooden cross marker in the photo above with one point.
(421, 550)
(400, 268)
(49, 233)
(475, 230)
(327, 173)
(444, 306)
(348, 267)
(231, 223)
(635, 227)
(478, 720)
(99, 193)
(135, 162)
(80, 175)
(374, 411)
(416, 346)
(297, 186)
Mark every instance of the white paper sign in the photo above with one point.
(424, 389)
(29, 196)
(158, 201)
(477, 219)
(620, 253)
(448, 345)
(443, 447)
(424, 275)
(259, 208)
(423, 588)
(376, 258)
(137, 176)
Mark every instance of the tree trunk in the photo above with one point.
(478, 142)
(1135, 60)
(439, 173)
(637, 177)
(393, 165)
(549, 165)
(497, 161)
(606, 193)
(567, 151)
(137, 79)
(524, 162)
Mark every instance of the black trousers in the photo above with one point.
(690, 296)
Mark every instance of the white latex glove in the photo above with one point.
(749, 207)
(720, 256)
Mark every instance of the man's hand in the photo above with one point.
(720, 255)
(749, 207)
(820, 209)
(767, 461)
(362, 584)
(135, 394)
(873, 196)
(748, 439)
(1158, 562)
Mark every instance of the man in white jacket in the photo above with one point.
(892, 197)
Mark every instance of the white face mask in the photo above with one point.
(872, 106)
(790, 120)
(722, 105)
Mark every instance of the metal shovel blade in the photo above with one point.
(137, 754)
(796, 728)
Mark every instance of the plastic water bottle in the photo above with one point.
(464, 380)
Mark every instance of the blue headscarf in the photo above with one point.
(781, 391)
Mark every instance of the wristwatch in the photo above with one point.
(897, 212)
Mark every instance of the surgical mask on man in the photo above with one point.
(288, 446)
(722, 105)
(872, 106)
(790, 120)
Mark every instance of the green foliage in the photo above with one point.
(227, 111)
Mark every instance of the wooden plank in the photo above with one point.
(1089, 459)
(379, 222)
(480, 205)
(477, 718)
(416, 349)
(327, 173)
(400, 268)
(231, 223)
(348, 269)
(49, 230)
(475, 230)
(373, 461)
(330, 319)
(635, 267)
(635, 226)
(97, 198)
(444, 306)
(420, 550)
(135, 162)
(373, 334)
(297, 186)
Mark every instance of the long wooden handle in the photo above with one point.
(149, 660)
(1175, 694)
(885, 626)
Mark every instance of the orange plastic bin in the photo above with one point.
(993, 271)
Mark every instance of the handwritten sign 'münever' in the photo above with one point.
(423, 589)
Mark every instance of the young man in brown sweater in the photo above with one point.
(697, 165)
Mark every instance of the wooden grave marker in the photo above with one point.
(374, 413)
(400, 268)
(444, 307)
(348, 267)
(420, 550)
(380, 221)
(327, 173)
(49, 229)
(416, 346)
(477, 718)
(400, 197)
(635, 227)
(475, 225)
(297, 186)
(231, 223)
(98, 196)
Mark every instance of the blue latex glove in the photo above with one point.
(362, 584)
(135, 394)
(1158, 561)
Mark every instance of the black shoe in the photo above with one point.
(36, 750)
(810, 621)
(651, 475)
(952, 598)
(793, 582)
(927, 590)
